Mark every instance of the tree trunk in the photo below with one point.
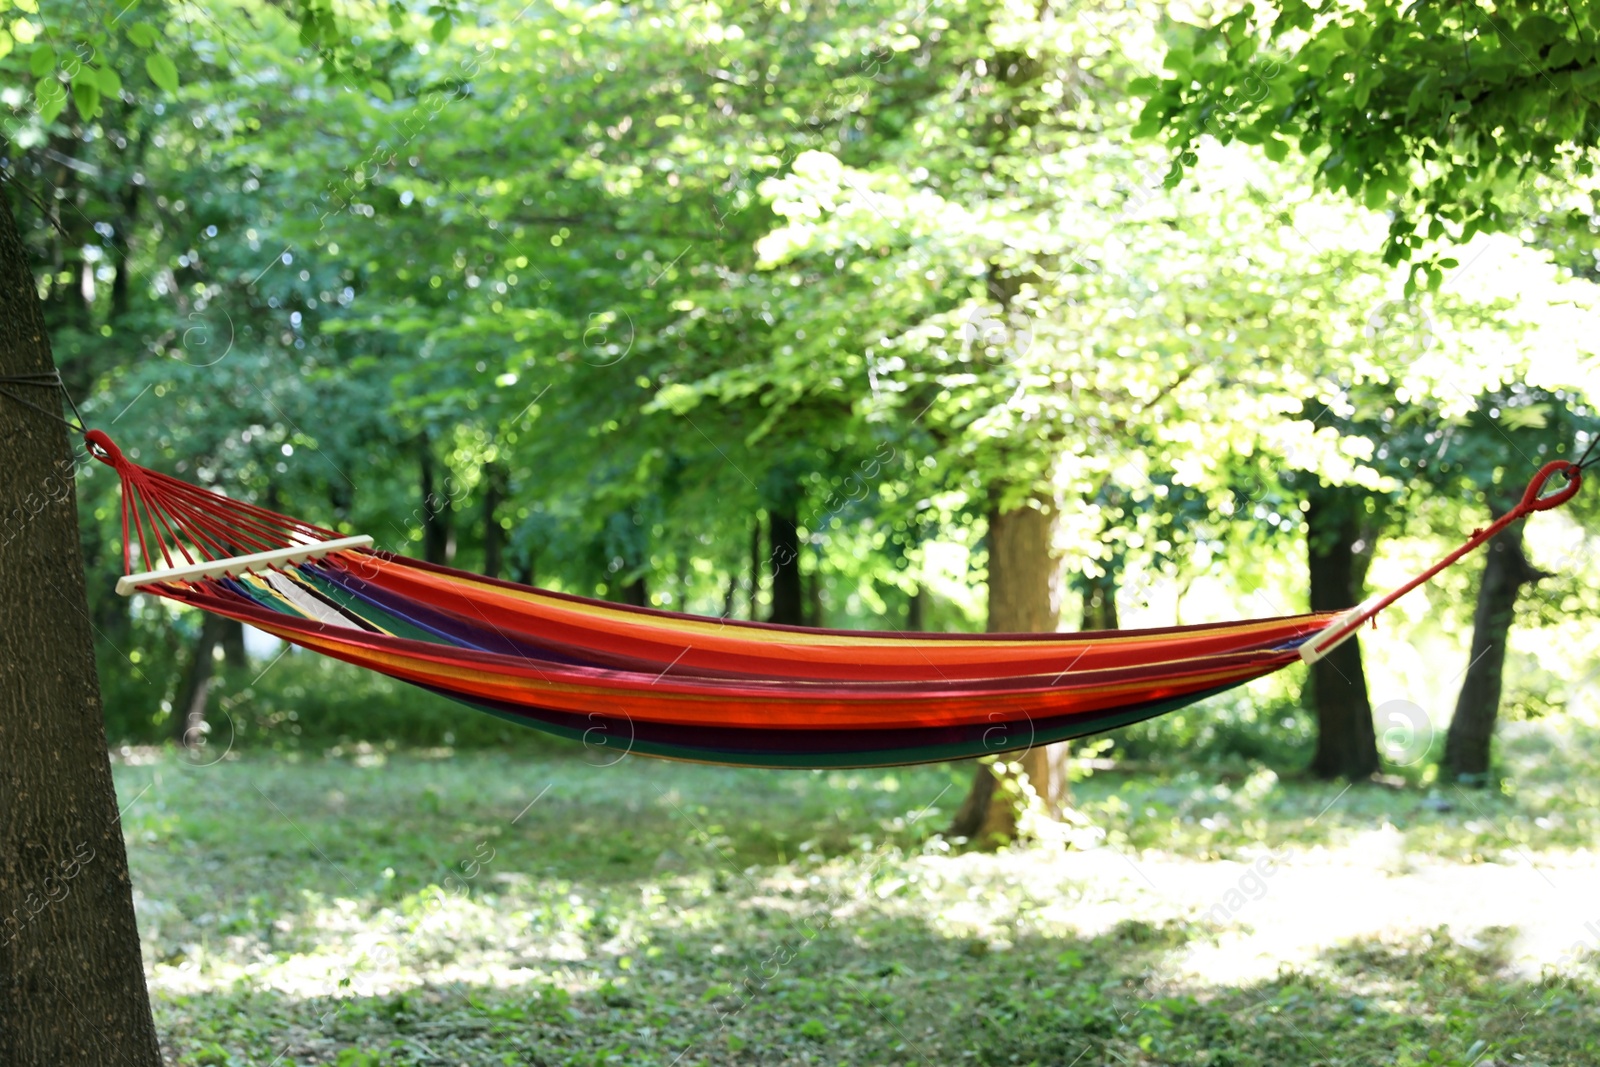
(788, 602)
(102, 562)
(71, 980)
(1100, 604)
(189, 704)
(636, 593)
(1346, 744)
(814, 610)
(234, 653)
(438, 537)
(755, 568)
(494, 538)
(1507, 570)
(1024, 597)
(916, 611)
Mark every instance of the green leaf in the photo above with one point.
(381, 90)
(5, 43)
(1276, 150)
(1318, 57)
(42, 61)
(143, 35)
(86, 92)
(1178, 59)
(162, 71)
(1148, 125)
(50, 98)
(110, 82)
(1537, 30)
(441, 28)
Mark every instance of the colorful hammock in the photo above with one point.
(687, 687)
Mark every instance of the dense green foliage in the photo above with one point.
(1458, 118)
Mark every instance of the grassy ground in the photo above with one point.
(445, 908)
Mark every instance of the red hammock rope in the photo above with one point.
(1533, 499)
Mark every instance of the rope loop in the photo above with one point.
(1534, 497)
(102, 448)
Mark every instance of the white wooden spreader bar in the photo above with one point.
(1330, 638)
(129, 584)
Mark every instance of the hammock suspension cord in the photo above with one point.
(50, 380)
(1534, 498)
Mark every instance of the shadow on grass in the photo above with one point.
(667, 914)
(897, 992)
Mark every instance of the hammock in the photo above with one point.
(660, 683)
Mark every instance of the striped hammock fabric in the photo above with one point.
(680, 686)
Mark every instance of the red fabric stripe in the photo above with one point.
(626, 637)
(743, 702)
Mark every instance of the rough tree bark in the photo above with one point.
(1507, 570)
(1024, 597)
(71, 980)
(788, 599)
(1346, 744)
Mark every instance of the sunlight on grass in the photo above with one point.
(490, 908)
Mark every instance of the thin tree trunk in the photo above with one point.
(189, 705)
(1346, 744)
(494, 538)
(1024, 597)
(438, 537)
(755, 568)
(1100, 604)
(814, 611)
(1507, 570)
(916, 610)
(234, 653)
(101, 563)
(788, 601)
(71, 981)
(636, 593)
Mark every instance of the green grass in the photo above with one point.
(376, 908)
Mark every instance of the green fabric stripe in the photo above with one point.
(372, 613)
